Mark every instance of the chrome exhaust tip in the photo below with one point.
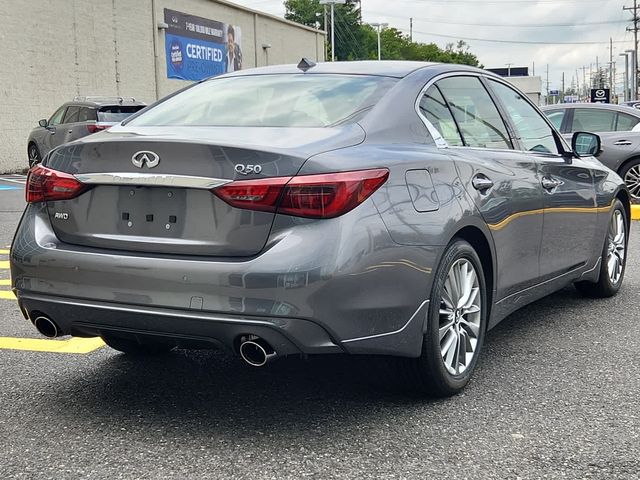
(256, 352)
(46, 327)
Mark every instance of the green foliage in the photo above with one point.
(358, 41)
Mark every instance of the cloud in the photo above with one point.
(428, 15)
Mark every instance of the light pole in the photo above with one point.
(333, 29)
(626, 76)
(633, 84)
(379, 27)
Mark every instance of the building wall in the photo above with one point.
(532, 86)
(56, 49)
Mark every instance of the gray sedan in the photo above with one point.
(394, 209)
(617, 126)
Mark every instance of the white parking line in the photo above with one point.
(15, 179)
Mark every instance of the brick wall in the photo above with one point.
(56, 49)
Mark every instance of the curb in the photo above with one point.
(635, 212)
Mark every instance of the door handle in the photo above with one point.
(481, 183)
(625, 143)
(69, 131)
(550, 183)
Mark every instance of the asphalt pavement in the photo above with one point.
(556, 395)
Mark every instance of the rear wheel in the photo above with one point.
(456, 326)
(34, 155)
(133, 346)
(614, 258)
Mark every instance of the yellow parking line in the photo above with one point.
(7, 295)
(4, 252)
(635, 212)
(4, 264)
(5, 282)
(73, 345)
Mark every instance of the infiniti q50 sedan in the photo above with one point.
(392, 209)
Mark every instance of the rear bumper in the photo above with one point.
(82, 318)
(319, 287)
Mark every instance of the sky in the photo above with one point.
(576, 21)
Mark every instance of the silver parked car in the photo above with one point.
(617, 126)
(396, 209)
(83, 116)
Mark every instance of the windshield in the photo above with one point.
(270, 101)
(117, 113)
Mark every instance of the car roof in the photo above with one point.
(595, 106)
(386, 68)
(103, 102)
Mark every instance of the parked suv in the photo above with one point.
(81, 117)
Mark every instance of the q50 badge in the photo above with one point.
(247, 169)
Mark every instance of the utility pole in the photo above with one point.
(584, 82)
(547, 100)
(533, 72)
(634, 29)
(411, 29)
(562, 93)
(332, 3)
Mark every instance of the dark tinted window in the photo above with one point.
(56, 118)
(626, 122)
(532, 129)
(477, 116)
(72, 115)
(294, 100)
(117, 113)
(434, 108)
(593, 120)
(87, 114)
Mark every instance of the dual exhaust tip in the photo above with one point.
(256, 351)
(253, 350)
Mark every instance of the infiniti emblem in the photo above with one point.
(151, 159)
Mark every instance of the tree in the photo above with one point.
(358, 41)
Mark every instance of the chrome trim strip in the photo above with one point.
(151, 179)
(389, 333)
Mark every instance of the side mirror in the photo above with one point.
(43, 123)
(585, 144)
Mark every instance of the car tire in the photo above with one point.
(33, 154)
(630, 173)
(132, 346)
(614, 257)
(435, 373)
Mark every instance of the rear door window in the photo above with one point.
(626, 123)
(87, 114)
(435, 109)
(593, 120)
(72, 115)
(476, 114)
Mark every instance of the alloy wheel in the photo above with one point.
(34, 156)
(460, 317)
(632, 180)
(616, 249)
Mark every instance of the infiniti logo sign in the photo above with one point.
(151, 159)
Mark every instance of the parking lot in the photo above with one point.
(555, 396)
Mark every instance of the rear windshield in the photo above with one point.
(117, 113)
(270, 101)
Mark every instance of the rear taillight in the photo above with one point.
(45, 184)
(311, 196)
(93, 128)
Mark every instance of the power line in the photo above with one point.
(519, 42)
(510, 25)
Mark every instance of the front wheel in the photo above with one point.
(34, 155)
(614, 257)
(455, 327)
(630, 173)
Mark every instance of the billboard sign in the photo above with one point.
(554, 93)
(198, 48)
(600, 95)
